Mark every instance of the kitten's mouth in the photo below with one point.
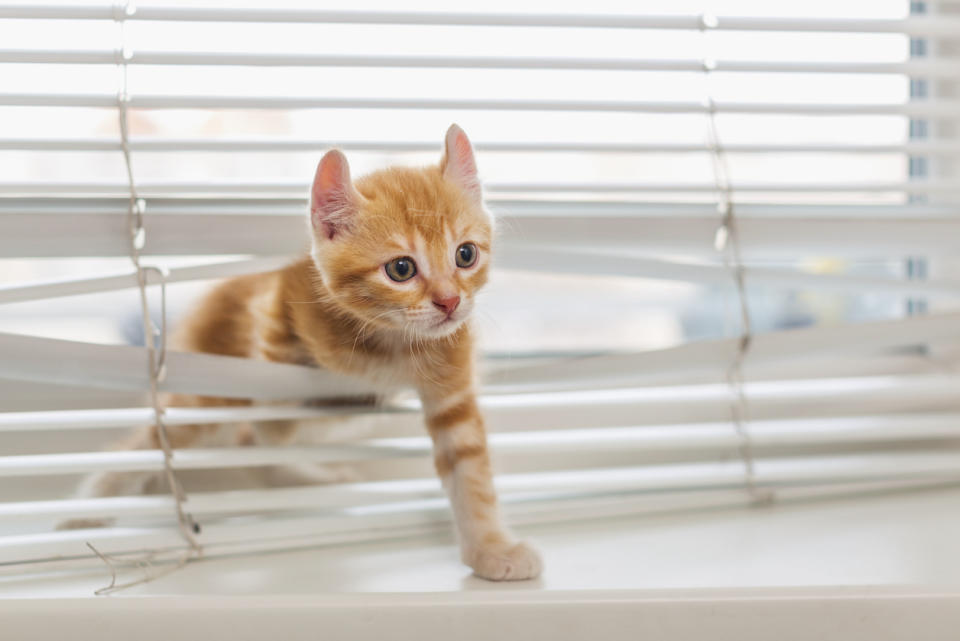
(445, 322)
(444, 326)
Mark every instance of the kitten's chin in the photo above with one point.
(441, 329)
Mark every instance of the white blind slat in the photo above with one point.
(493, 187)
(946, 109)
(121, 367)
(181, 58)
(660, 235)
(918, 26)
(180, 145)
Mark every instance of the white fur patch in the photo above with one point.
(438, 407)
(461, 436)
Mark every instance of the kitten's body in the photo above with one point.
(341, 309)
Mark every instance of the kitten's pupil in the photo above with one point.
(401, 269)
(466, 254)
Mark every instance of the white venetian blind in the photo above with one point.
(728, 253)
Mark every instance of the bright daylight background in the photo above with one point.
(523, 312)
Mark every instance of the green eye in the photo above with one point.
(401, 269)
(466, 255)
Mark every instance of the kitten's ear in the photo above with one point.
(458, 164)
(333, 199)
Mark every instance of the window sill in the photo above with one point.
(871, 568)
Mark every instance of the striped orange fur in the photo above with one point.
(340, 308)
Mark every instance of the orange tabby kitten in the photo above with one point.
(396, 261)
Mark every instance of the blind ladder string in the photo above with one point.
(156, 357)
(727, 242)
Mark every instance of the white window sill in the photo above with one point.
(870, 568)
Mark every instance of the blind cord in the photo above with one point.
(156, 356)
(727, 242)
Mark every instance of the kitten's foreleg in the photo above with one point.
(463, 464)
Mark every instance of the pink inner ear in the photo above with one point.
(461, 167)
(464, 156)
(331, 203)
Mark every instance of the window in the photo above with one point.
(623, 372)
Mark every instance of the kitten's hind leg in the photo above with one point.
(134, 483)
(105, 484)
(316, 432)
(299, 475)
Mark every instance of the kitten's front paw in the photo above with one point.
(83, 524)
(505, 562)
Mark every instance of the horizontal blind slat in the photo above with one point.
(947, 109)
(233, 58)
(659, 234)
(38, 291)
(122, 367)
(914, 25)
(160, 207)
(149, 188)
(152, 145)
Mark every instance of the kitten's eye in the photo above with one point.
(401, 269)
(466, 255)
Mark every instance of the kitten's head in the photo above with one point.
(405, 249)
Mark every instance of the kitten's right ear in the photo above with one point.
(333, 199)
(458, 164)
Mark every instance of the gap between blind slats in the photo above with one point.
(181, 58)
(294, 145)
(946, 109)
(916, 26)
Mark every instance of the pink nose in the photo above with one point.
(447, 304)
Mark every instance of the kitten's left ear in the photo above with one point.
(458, 164)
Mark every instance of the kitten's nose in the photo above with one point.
(447, 304)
